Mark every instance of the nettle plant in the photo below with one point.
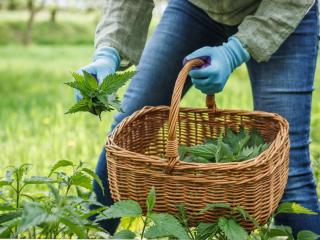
(53, 206)
(98, 98)
(59, 208)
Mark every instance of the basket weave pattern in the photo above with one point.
(142, 152)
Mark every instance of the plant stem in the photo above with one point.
(17, 191)
(68, 189)
(144, 226)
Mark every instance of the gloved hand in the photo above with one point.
(106, 60)
(220, 62)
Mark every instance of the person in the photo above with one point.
(278, 41)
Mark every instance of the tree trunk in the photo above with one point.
(12, 5)
(28, 34)
(53, 14)
(33, 10)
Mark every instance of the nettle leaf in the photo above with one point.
(124, 234)
(17, 173)
(205, 230)
(246, 215)
(113, 82)
(215, 205)
(80, 84)
(33, 214)
(60, 164)
(94, 176)
(207, 151)
(5, 217)
(5, 183)
(275, 232)
(81, 180)
(166, 225)
(224, 152)
(6, 207)
(256, 138)
(6, 228)
(125, 208)
(38, 180)
(151, 200)
(5, 232)
(231, 229)
(307, 235)
(55, 193)
(90, 80)
(81, 106)
(292, 207)
(79, 230)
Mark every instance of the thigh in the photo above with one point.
(182, 29)
(284, 85)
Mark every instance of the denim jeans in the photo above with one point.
(283, 85)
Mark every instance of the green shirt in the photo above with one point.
(263, 24)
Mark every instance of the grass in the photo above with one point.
(70, 28)
(67, 30)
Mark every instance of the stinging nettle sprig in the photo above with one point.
(98, 98)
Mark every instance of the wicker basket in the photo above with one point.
(142, 152)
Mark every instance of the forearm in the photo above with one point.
(264, 32)
(124, 26)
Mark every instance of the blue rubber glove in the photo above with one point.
(106, 60)
(220, 62)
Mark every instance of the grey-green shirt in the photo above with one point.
(263, 24)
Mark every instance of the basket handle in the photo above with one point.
(172, 153)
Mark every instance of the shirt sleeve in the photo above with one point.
(124, 26)
(264, 32)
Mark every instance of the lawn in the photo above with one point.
(34, 128)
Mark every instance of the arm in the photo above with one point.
(124, 26)
(264, 32)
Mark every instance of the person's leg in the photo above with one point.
(284, 85)
(182, 29)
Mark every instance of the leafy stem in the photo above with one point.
(145, 222)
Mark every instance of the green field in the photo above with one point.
(33, 99)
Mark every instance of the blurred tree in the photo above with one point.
(33, 7)
(12, 5)
(54, 7)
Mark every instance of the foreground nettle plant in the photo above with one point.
(60, 209)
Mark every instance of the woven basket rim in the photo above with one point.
(161, 162)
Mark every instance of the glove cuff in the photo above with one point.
(237, 53)
(108, 53)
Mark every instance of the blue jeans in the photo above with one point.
(283, 85)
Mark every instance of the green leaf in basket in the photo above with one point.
(231, 147)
